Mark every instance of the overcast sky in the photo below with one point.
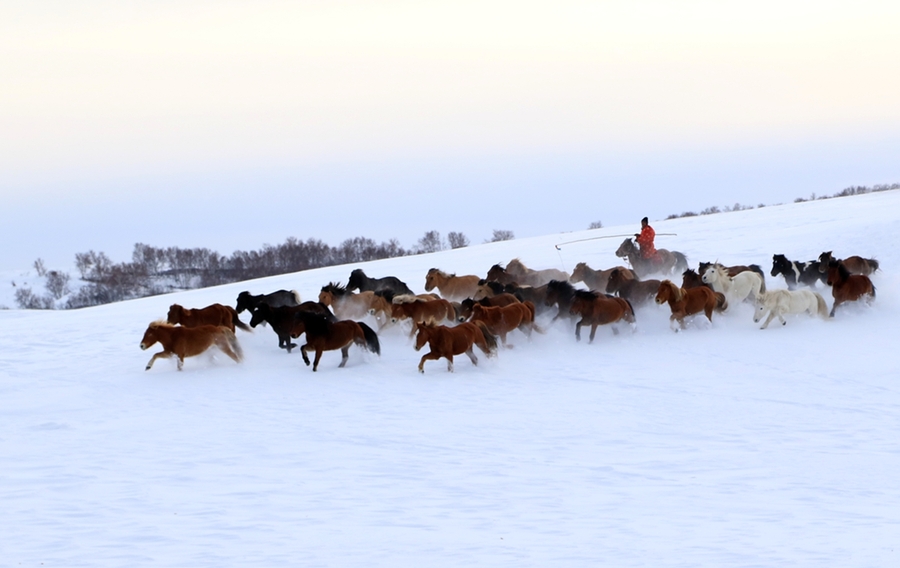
(234, 124)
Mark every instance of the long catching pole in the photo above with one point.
(610, 237)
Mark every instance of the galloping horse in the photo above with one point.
(846, 287)
(348, 305)
(736, 288)
(501, 320)
(690, 279)
(529, 277)
(488, 288)
(283, 320)
(598, 279)
(780, 302)
(247, 301)
(446, 342)
(685, 301)
(638, 292)
(451, 286)
(325, 335)
(853, 264)
(598, 309)
(735, 270)
(560, 293)
(421, 311)
(189, 341)
(467, 305)
(359, 281)
(670, 261)
(796, 272)
(214, 314)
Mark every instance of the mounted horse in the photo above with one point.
(685, 301)
(666, 262)
(853, 264)
(184, 342)
(847, 287)
(359, 281)
(214, 314)
(638, 292)
(451, 286)
(247, 301)
(284, 322)
(598, 279)
(598, 309)
(795, 272)
(322, 335)
(780, 302)
(446, 342)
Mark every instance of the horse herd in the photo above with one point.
(458, 313)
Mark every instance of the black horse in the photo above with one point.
(284, 319)
(359, 280)
(560, 293)
(247, 301)
(796, 273)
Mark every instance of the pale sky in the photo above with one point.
(234, 124)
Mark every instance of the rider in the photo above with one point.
(645, 240)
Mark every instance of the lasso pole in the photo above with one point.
(610, 237)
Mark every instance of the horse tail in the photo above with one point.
(762, 277)
(681, 262)
(630, 311)
(489, 341)
(874, 264)
(821, 306)
(371, 338)
(530, 305)
(233, 343)
(721, 302)
(296, 297)
(237, 321)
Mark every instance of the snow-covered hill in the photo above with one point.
(719, 446)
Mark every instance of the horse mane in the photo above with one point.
(517, 262)
(160, 323)
(405, 299)
(562, 286)
(689, 272)
(843, 272)
(588, 295)
(440, 272)
(335, 288)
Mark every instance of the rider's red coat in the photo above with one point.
(645, 240)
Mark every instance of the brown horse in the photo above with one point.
(847, 287)
(501, 320)
(531, 277)
(854, 264)
(451, 286)
(686, 301)
(638, 292)
(489, 288)
(669, 261)
(690, 279)
(598, 309)
(325, 335)
(184, 341)
(421, 311)
(349, 305)
(467, 305)
(598, 279)
(283, 320)
(446, 342)
(214, 314)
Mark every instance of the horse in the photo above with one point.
(451, 286)
(349, 305)
(685, 301)
(283, 320)
(847, 287)
(488, 288)
(598, 279)
(359, 281)
(184, 341)
(796, 272)
(530, 277)
(467, 305)
(560, 293)
(854, 264)
(537, 296)
(780, 302)
(499, 275)
(668, 262)
(421, 311)
(690, 279)
(736, 288)
(501, 320)
(214, 314)
(322, 335)
(247, 301)
(598, 309)
(446, 342)
(638, 292)
(735, 270)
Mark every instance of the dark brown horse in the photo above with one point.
(670, 262)
(690, 279)
(854, 264)
(638, 292)
(597, 279)
(214, 314)
(446, 342)
(189, 341)
(247, 301)
(560, 293)
(325, 335)
(467, 305)
(598, 309)
(283, 320)
(501, 320)
(359, 281)
(686, 301)
(847, 287)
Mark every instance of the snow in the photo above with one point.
(723, 445)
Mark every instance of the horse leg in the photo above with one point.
(593, 332)
(450, 363)
(769, 319)
(431, 355)
(472, 356)
(317, 359)
(160, 355)
(578, 330)
(303, 352)
(345, 354)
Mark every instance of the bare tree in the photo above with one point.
(596, 225)
(430, 242)
(457, 240)
(40, 268)
(57, 284)
(502, 235)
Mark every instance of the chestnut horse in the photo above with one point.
(690, 279)
(669, 261)
(686, 301)
(501, 320)
(421, 311)
(847, 287)
(322, 334)
(184, 341)
(214, 314)
(598, 309)
(597, 279)
(451, 286)
(638, 292)
(446, 342)
(467, 305)
(853, 264)
(283, 320)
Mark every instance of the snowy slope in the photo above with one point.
(720, 446)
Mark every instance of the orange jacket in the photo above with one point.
(645, 240)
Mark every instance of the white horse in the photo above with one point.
(736, 288)
(780, 302)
